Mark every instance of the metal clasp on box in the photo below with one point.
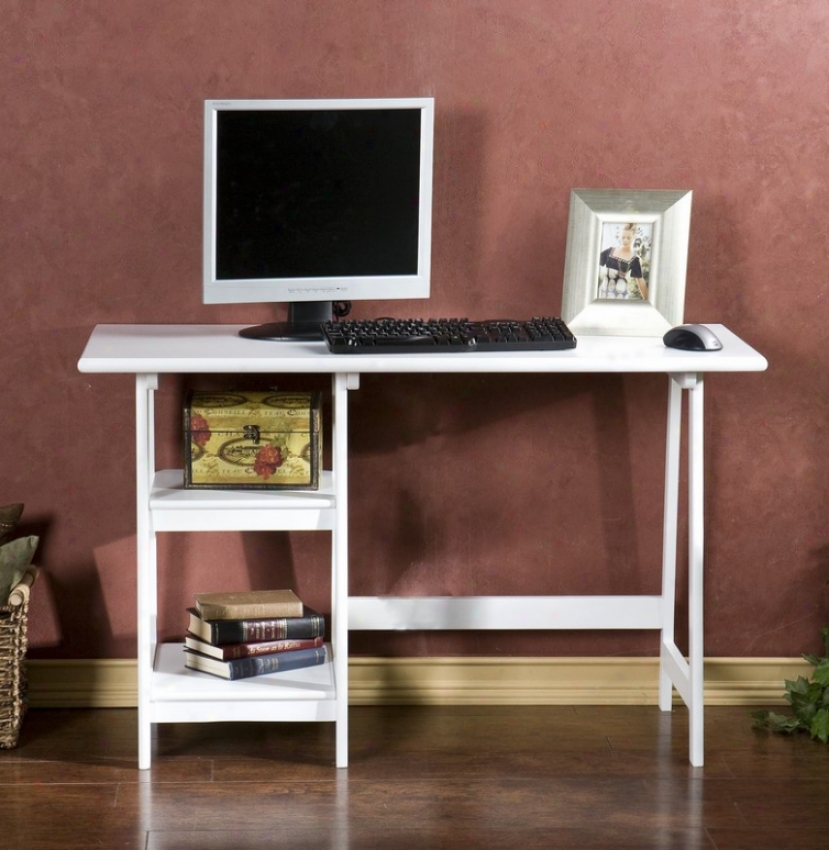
(252, 432)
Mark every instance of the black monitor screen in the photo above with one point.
(317, 193)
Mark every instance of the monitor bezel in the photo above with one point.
(286, 290)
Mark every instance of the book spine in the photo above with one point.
(249, 650)
(245, 668)
(256, 631)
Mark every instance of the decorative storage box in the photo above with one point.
(240, 440)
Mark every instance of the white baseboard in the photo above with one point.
(111, 683)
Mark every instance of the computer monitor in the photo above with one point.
(316, 203)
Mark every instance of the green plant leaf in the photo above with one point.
(775, 722)
(797, 686)
(805, 702)
(819, 727)
(821, 673)
(796, 690)
(809, 699)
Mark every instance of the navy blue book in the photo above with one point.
(259, 665)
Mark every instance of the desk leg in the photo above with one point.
(695, 569)
(674, 670)
(341, 384)
(669, 536)
(147, 602)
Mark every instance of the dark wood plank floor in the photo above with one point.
(581, 778)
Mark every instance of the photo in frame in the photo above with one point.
(626, 261)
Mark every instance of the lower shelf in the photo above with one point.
(180, 695)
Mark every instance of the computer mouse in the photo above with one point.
(692, 338)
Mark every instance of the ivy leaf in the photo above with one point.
(775, 722)
(809, 699)
(797, 686)
(796, 689)
(821, 673)
(805, 702)
(819, 727)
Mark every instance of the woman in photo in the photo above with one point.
(620, 269)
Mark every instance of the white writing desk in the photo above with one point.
(169, 693)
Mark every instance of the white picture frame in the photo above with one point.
(643, 295)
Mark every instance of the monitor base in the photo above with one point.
(283, 331)
(304, 320)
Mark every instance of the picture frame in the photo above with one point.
(626, 261)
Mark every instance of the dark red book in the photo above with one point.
(229, 651)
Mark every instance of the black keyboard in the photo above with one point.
(441, 336)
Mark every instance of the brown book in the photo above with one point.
(248, 605)
(247, 650)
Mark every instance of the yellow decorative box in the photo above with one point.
(240, 440)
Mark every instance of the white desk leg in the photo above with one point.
(669, 535)
(695, 570)
(674, 670)
(341, 384)
(145, 386)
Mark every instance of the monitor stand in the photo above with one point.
(304, 320)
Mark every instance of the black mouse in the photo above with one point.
(692, 338)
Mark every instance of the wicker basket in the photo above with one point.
(13, 692)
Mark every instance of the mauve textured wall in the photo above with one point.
(459, 485)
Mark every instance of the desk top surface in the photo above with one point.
(159, 349)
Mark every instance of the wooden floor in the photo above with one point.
(609, 778)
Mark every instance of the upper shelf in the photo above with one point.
(159, 349)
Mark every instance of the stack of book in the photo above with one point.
(238, 635)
